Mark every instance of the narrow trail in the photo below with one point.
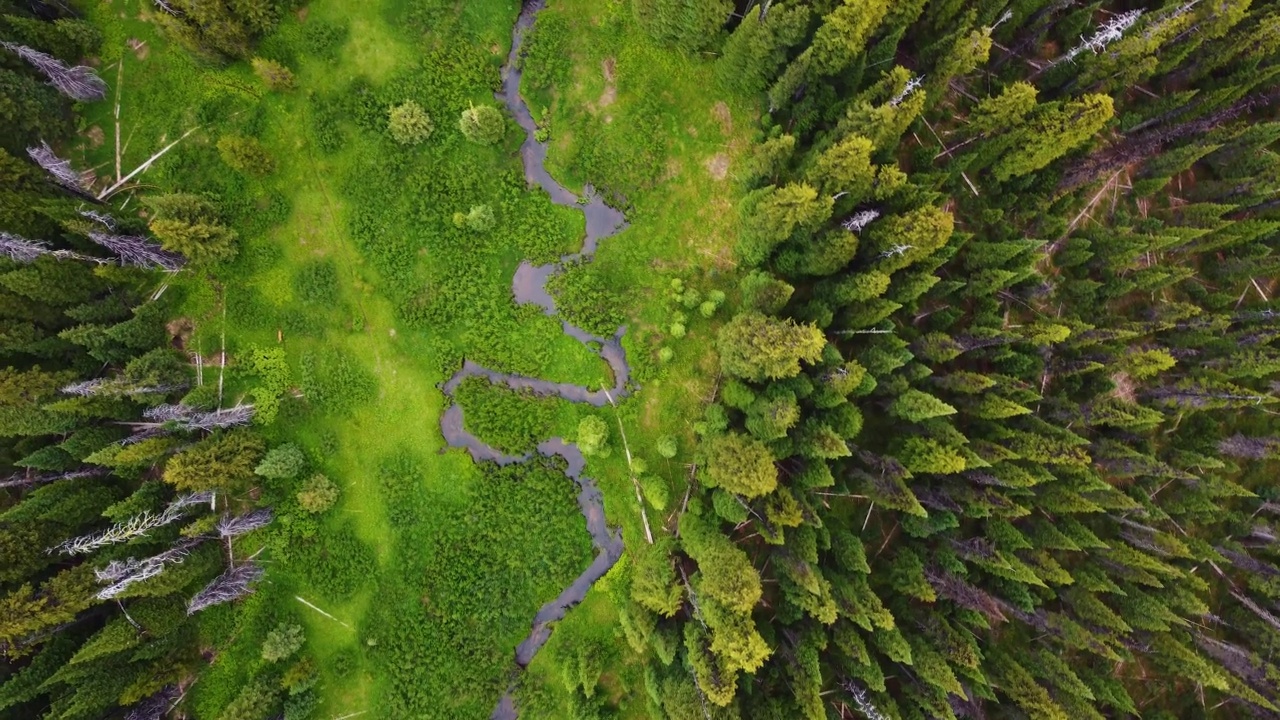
(529, 287)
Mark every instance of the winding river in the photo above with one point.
(529, 286)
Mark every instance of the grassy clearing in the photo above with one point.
(350, 263)
(366, 371)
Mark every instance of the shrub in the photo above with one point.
(245, 155)
(513, 422)
(707, 309)
(585, 300)
(274, 75)
(409, 124)
(677, 330)
(691, 298)
(326, 124)
(256, 701)
(655, 491)
(667, 446)
(317, 282)
(272, 370)
(335, 381)
(335, 562)
(480, 219)
(282, 462)
(283, 642)
(546, 59)
(666, 355)
(483, 124)
(323, 39)
(593, 436)
(318, 494)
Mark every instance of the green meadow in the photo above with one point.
(420, 583)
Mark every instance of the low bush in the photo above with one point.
(274, 75)
(324, 39)
(282, 462)
(336, 563)
(545, 59)
(483, 124)
(511, 421)
(245, 155)
(326, 124)
(513, 543)
(336, 382)
(593, 437)
(584, 299)
(283, 642)
(316, 282)
(409, 124)
(318, 494)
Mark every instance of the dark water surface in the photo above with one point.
(529, 287)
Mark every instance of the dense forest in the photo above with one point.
(993, 430)
(951, 396)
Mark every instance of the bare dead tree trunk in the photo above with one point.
(78, 83)
(231, 585)
(144, 166)
(1136, 148)
(22, 250)
(644, 516)
(138, 251)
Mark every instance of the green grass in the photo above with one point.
(680, 191)
(414, 295)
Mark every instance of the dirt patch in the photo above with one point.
(673, 169)
(96, 136)
(722, 115)
(302, 13)
(495, 49)
(718, 166)
(1125, 388)
(140, 48)
(180, 332)
(610, 94)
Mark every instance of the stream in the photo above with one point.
(529, 287)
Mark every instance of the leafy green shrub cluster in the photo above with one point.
(584, 299)
(447, 628)
(318, 494)
(512, 421)
(324, 39)
(334, 562)
(545, 56)
(326, 123)
(246, 155)
(282, 462)
(400, 479)
(541, 230)
(409, 124)
(271, 369)
(316, 282)
(624, 157)
(335, 381)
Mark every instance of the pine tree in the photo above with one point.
(755, 347)
(740, 465)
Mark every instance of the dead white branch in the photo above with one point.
(78, 83)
